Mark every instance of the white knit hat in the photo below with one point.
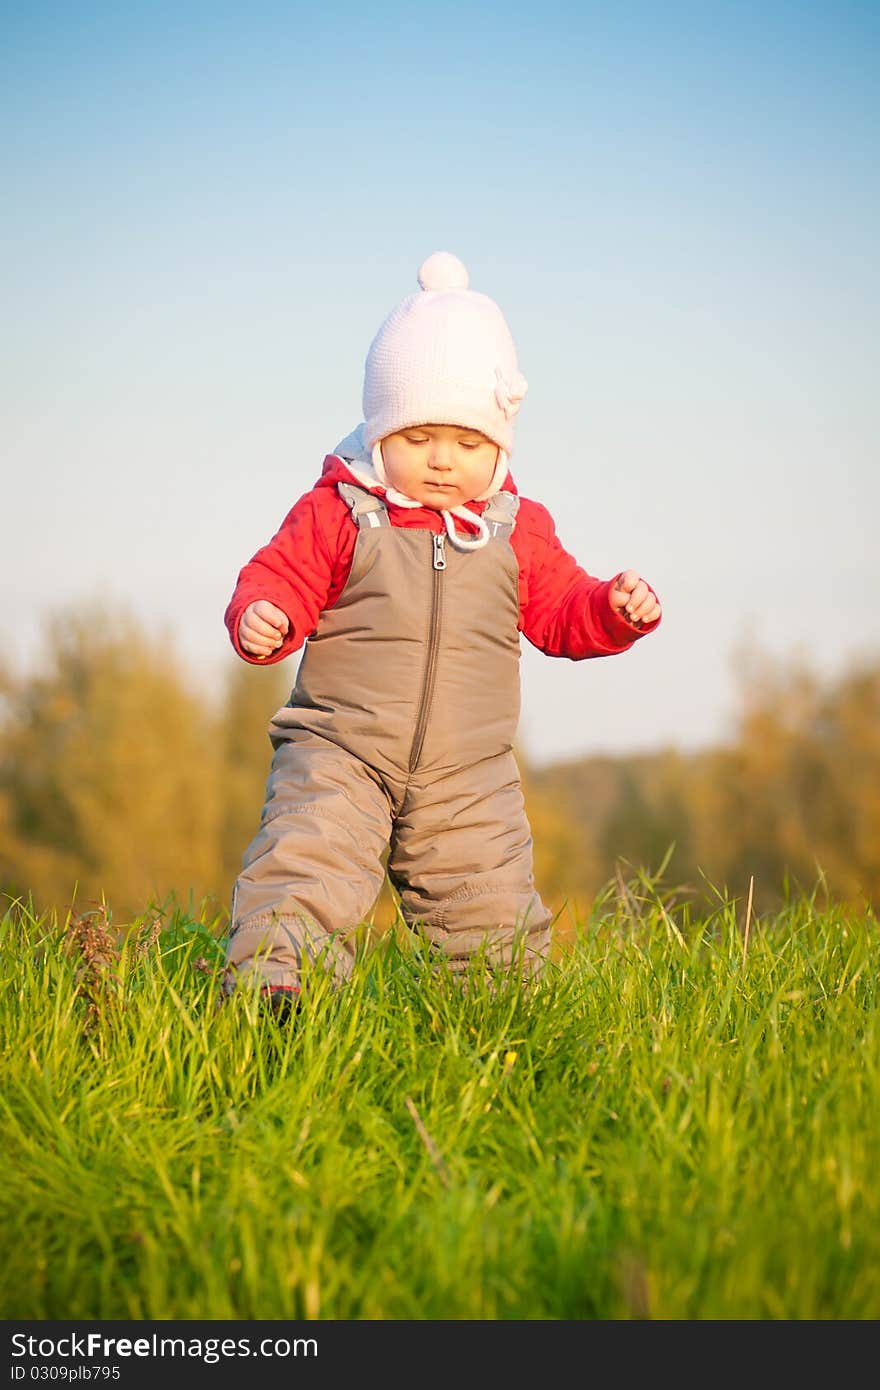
(443, 356)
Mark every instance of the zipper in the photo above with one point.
(438, 565)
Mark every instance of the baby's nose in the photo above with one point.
(441, 457)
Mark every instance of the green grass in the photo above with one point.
(665, 1126)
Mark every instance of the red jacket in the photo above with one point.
(304, 567)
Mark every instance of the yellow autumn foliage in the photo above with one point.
(125, 779)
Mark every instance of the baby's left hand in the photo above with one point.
(634, 600)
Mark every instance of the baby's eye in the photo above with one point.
(469, 443)
(415, 438)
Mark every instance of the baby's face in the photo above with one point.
(440, 466)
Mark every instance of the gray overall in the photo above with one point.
(398, 735)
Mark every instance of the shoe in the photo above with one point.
(280, 1000)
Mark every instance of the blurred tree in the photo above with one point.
(799, 792)
(565, 854)
(110, 774)
(119, 779)
(794, 797)
(605, 810)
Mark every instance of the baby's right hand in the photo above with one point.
(262, 628)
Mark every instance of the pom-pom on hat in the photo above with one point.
(443, 356)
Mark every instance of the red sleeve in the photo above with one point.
(302, 570)
(564, 611)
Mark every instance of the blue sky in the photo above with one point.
(209, 209)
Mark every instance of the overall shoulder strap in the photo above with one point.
(500, 515)
(366, 509)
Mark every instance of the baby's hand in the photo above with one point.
(633, 599)
(262, 628)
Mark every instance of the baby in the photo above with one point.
(409, 571)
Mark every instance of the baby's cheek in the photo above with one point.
(488, 472)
